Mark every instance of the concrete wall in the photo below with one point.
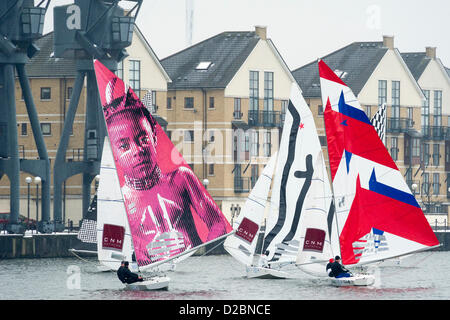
(58, 245)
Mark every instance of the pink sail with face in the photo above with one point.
(169, 211)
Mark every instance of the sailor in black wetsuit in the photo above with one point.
(338, 270)
(126, 276)
(328, 267)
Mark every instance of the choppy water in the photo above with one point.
(422, 276)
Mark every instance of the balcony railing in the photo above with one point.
(398, 125)
(258, 118)
(436, 133)
(241, 184)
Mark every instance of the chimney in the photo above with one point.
(388, 42)
(261, 31)
(430, 52)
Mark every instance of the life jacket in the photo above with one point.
(121, 274)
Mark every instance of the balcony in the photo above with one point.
(436, 133)
(268, 119)
(242, 185)
(399, 125)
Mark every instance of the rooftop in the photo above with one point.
(353, 63)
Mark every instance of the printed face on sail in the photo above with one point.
(133, 143)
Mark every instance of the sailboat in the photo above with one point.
(242, 244)
(292, 170)
(87, 233)
(169, 212)
(377, 217)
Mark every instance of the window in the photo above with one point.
(135, 76)
(437, 116)
(254, 90)
(254, 149)
(320, 110)
(425, 117)
(211, 136)
(395, 99)
(247, 145)
(189, 135)
(284, 106)
(46, 93)
(204, 65)
(211, 102)
(415, 147)
(369, 111)
(23, 129)
(382, 92)
(268, 91)
(154, 107)
(46, 129)
(237, 114)
(410, 113)
(426, 154)
(323, 141)
(436, 183)
(189, 102)
(169, 103)
(436, 154)
(394, 148)
(69, 93)
(426, 183)
(211, 169)
(267, 144)
(119, 72)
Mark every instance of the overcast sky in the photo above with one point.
(302, 30)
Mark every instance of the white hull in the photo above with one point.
(265, 273)
(154, 283)
(356, 280)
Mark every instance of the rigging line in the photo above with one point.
(85, 260)
(417, 263)
(220, 242)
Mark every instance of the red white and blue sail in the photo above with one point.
(377, 215)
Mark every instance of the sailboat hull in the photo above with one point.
(356, 280)
(154, 283)
(265, 273)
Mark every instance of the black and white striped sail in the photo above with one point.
(299, 157)
(242, 244)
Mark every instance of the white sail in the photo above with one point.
(297, 156)
(315, 246)
(114, 242)
(242, 244)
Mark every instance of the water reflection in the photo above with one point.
(218, 278)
